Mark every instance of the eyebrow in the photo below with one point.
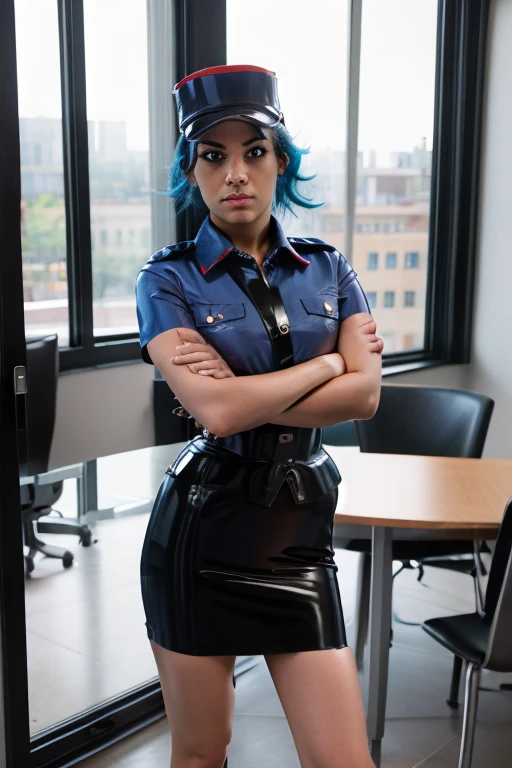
(221, 146)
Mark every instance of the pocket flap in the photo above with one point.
(220, 313)
(322, 304)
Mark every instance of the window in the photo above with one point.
(412, 260)
(43, 210)
(396, 153)
(373, 260)
(372, 299)
(255, 41)
(390, 260)
(410, 299)
(117, 114)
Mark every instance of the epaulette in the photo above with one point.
(310, 244)
(171, 251)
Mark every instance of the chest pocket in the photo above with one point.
(224, 315)
(323, 304)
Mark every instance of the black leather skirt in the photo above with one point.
(237, 557)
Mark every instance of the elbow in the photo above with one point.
(219, 425)
(369, 406)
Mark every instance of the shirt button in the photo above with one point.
(327, 306)
(210, 319)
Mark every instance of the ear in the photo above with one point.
(282, 164)
(191, 179)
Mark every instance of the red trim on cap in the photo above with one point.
(221, 70)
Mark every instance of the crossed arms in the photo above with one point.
(336, 387)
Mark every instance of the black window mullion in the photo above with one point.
(76, 173)
(200, 42)
(462, 33)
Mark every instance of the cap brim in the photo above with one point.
(203, 123)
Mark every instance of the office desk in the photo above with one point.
(456, 498)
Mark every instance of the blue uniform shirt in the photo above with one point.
(182, 285)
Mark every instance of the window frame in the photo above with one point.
(461, 46)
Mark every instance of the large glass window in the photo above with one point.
(43, 214)
(396, 111)
(307, 50)
(117, 113)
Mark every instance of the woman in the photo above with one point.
(264, 339)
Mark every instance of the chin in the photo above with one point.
(238, 215)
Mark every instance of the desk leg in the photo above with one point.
(380, 629)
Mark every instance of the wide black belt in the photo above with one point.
(271, 442)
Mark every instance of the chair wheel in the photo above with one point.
(29, 565)
(67, 560)
(86, 538)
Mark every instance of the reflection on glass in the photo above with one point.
(117, 111)
(396, 112)
(43, 226)
(308, 52)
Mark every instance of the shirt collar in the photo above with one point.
(212, 245)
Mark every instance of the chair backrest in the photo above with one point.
(343, 433)
(498, 599)
(427, 421)
(42, 378)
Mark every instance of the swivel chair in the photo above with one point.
(38, 498)
(483, 640)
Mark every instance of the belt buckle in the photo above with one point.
(285, 437)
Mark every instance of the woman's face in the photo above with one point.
(236, 172)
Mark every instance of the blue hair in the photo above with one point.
(286, 194)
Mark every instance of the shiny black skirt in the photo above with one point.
(237, 557)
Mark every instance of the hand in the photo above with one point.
(375, 342)
(200, 356)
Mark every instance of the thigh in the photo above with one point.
(199, 701)
(321, 697)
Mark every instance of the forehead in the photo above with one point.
(232, 131)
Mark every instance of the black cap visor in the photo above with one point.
(202, 123)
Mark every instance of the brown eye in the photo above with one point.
(256, 152)
(212, 156)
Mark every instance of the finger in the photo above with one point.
(208, 365)
(195, 357)
(188, 346)
(188, 334)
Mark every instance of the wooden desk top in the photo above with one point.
(423, 492)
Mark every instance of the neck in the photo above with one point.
(253, 238)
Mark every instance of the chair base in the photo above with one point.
(36, 545)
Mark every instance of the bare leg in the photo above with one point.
(200, 705)
(321, 697)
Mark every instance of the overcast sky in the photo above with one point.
(304, 42)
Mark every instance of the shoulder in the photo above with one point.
(165, 261)
(164, 268)
(310, 245)
(170, 252)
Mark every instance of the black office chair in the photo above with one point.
(482, 640)
(423, 421)
(343, 433)
(37, 499)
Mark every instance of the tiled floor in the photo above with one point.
(87, 642)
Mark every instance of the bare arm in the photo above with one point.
(355, 395)
(238, 403)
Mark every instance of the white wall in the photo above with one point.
(110, 410)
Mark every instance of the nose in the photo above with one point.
(237, 174)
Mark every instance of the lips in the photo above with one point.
(237, 201)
